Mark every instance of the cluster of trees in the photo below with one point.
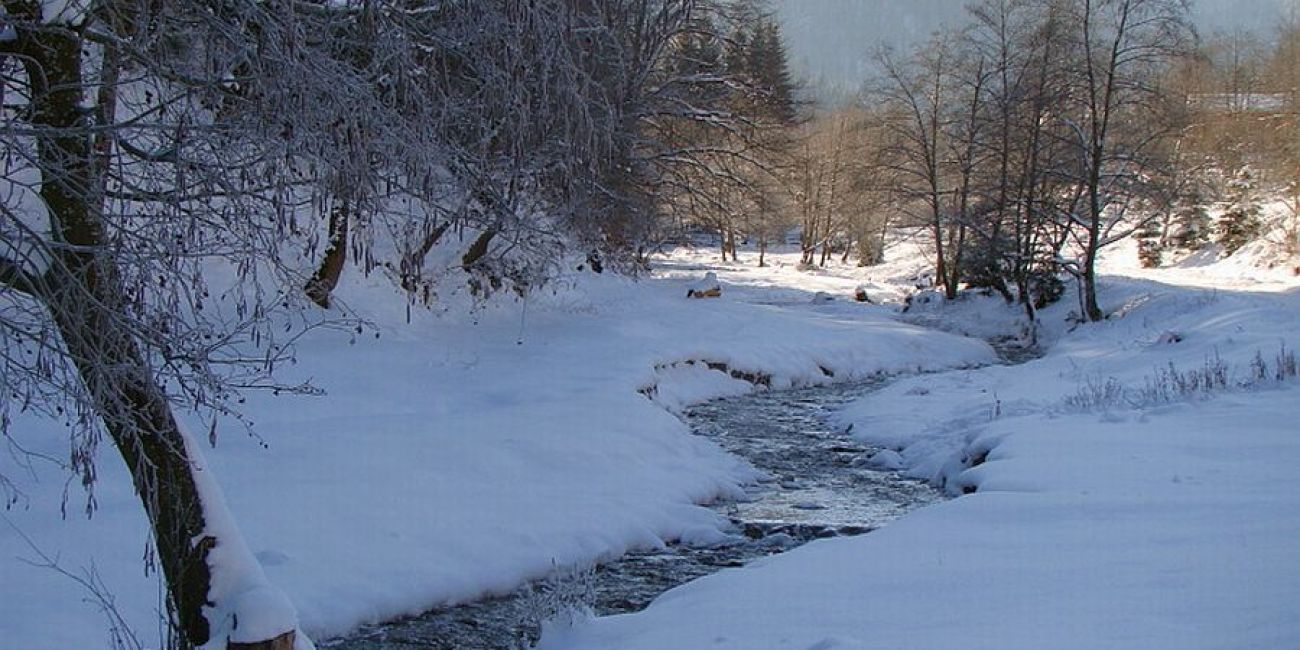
(1026, 142)
(731, 185)
(838, 200)
(1241, 142)
(1023, 144)
(179, 174)
(783, 165)
(1046, 130)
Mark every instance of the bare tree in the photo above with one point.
(1283, 78)
(919, 95)
(1116, 121)
(147, 144)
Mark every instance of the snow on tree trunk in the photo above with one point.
(244, 609)
(206, 566)
(326, 278)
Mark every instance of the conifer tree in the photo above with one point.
(1151, 245)
(1239, 223)
(1190, 230)
(769, 69)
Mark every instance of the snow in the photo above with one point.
(1127, 525)
(460, 454)
(64, 12)
(245, 607)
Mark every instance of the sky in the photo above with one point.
(831, 39)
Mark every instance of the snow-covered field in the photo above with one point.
(454, 456)
(1106, 513)
(457, 456)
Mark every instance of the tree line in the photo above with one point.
(1028, 140)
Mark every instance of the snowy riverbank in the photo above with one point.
(1109, 511)
(449, 459)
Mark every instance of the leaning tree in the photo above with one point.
(158, 156)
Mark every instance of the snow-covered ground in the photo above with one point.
(1108, 511)
(460, 455)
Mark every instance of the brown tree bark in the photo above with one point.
(327, 275)
(478, 249)
(283, 642)
(90, 308)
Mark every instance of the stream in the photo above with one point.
(817, 486)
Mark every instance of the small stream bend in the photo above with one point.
(818, 484)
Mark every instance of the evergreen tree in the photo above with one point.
(1190, 230)
(756, 57)
(768, 67)
(1239, 223)
(699, 61)
(1151, 243)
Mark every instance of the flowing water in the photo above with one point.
(818, 485)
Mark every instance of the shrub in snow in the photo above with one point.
(560, 599)
(1151, 244)
(1286, 364)
(1045, 288)
(1096, 394)
(1169, 384)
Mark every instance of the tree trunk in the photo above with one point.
(1092, 312)
(731, 243)
(413, 262)
(478, 249)
(283, 642)
(326, 278)
(89, 307)
(953, 281)
(139, 420)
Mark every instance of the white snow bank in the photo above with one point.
(1169, 526)
(1160, 532)
(449, 459)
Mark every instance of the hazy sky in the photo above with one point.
(831, 39)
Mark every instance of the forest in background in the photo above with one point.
(1042, 132)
